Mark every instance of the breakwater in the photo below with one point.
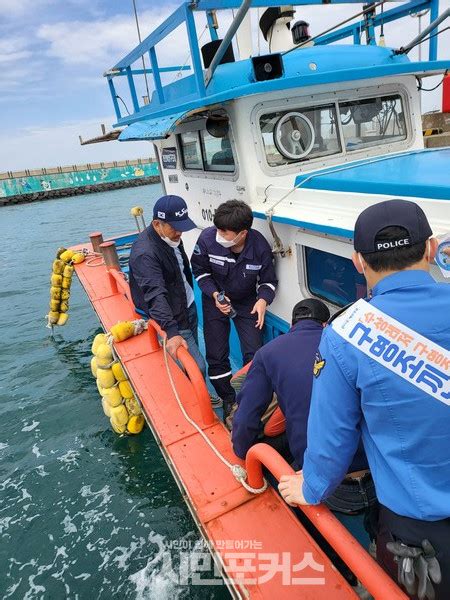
(46, 183)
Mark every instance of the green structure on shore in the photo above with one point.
(39, 184)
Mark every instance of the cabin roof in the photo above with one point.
(420, 173)
(318, 65)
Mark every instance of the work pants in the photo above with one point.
(393, 527)
(216, 329)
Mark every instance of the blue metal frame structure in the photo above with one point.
(184, 15)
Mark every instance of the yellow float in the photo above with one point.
(117, 397)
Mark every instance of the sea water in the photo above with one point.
(84, 513)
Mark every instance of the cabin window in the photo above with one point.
(191, 151)
(202, 151)
(217, 153)
(299, 134)
(372, 121)
(333, 278)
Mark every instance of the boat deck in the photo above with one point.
(259, 545)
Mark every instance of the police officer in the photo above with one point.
(236, 259)
(385, 371)
(160, 277)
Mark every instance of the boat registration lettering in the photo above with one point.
(400, 349)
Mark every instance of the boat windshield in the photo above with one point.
(300, 134)
(373, 121)
(305, 133)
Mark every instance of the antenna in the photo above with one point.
(140, 41)
(419, 16)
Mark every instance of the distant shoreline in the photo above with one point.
(85, 189)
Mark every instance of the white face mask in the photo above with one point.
(226, 243)
(170, 242)
(362, 264)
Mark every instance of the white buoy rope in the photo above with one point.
(237, 470)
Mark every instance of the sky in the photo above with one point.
(53, 54)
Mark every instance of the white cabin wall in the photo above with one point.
(261, 186)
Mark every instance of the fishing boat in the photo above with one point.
(309, 134)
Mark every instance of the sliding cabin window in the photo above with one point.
(333, 278)
(372, 121)
(203, 152)
(300, 134)
(217, 153)
(191, 151)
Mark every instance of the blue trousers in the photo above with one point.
(216, 329)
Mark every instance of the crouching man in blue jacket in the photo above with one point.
(160, 277)
(287, 366)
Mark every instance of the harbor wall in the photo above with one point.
(46, 183)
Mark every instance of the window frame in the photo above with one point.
(196, 126)
(298, 103)
(183, 164)
(303, 270)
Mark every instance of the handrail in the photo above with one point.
(196, 378)
(118, 283)
(369, 573)
(184, 15)
(199, 385)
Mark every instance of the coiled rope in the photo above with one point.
(94, 259)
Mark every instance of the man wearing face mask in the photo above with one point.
(385, 376)
(236, 259)
(160, 277)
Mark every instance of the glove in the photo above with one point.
(418, 568)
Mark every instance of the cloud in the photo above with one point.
(13, 49)
(102, 42)
(58, 145)
(13, 8)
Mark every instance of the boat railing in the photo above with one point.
(192, 371)
(119, 285)
(369, 573)
(162, 102)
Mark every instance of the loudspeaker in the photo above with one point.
(267, 67)
(210, 49)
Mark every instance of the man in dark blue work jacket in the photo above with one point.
(284, 366)
(160, 277)
(385, 373)
(236, 259)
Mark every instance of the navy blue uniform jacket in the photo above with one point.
(284, 366)
(244, 279)
(156, 283)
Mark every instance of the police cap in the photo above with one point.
(391, 213)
